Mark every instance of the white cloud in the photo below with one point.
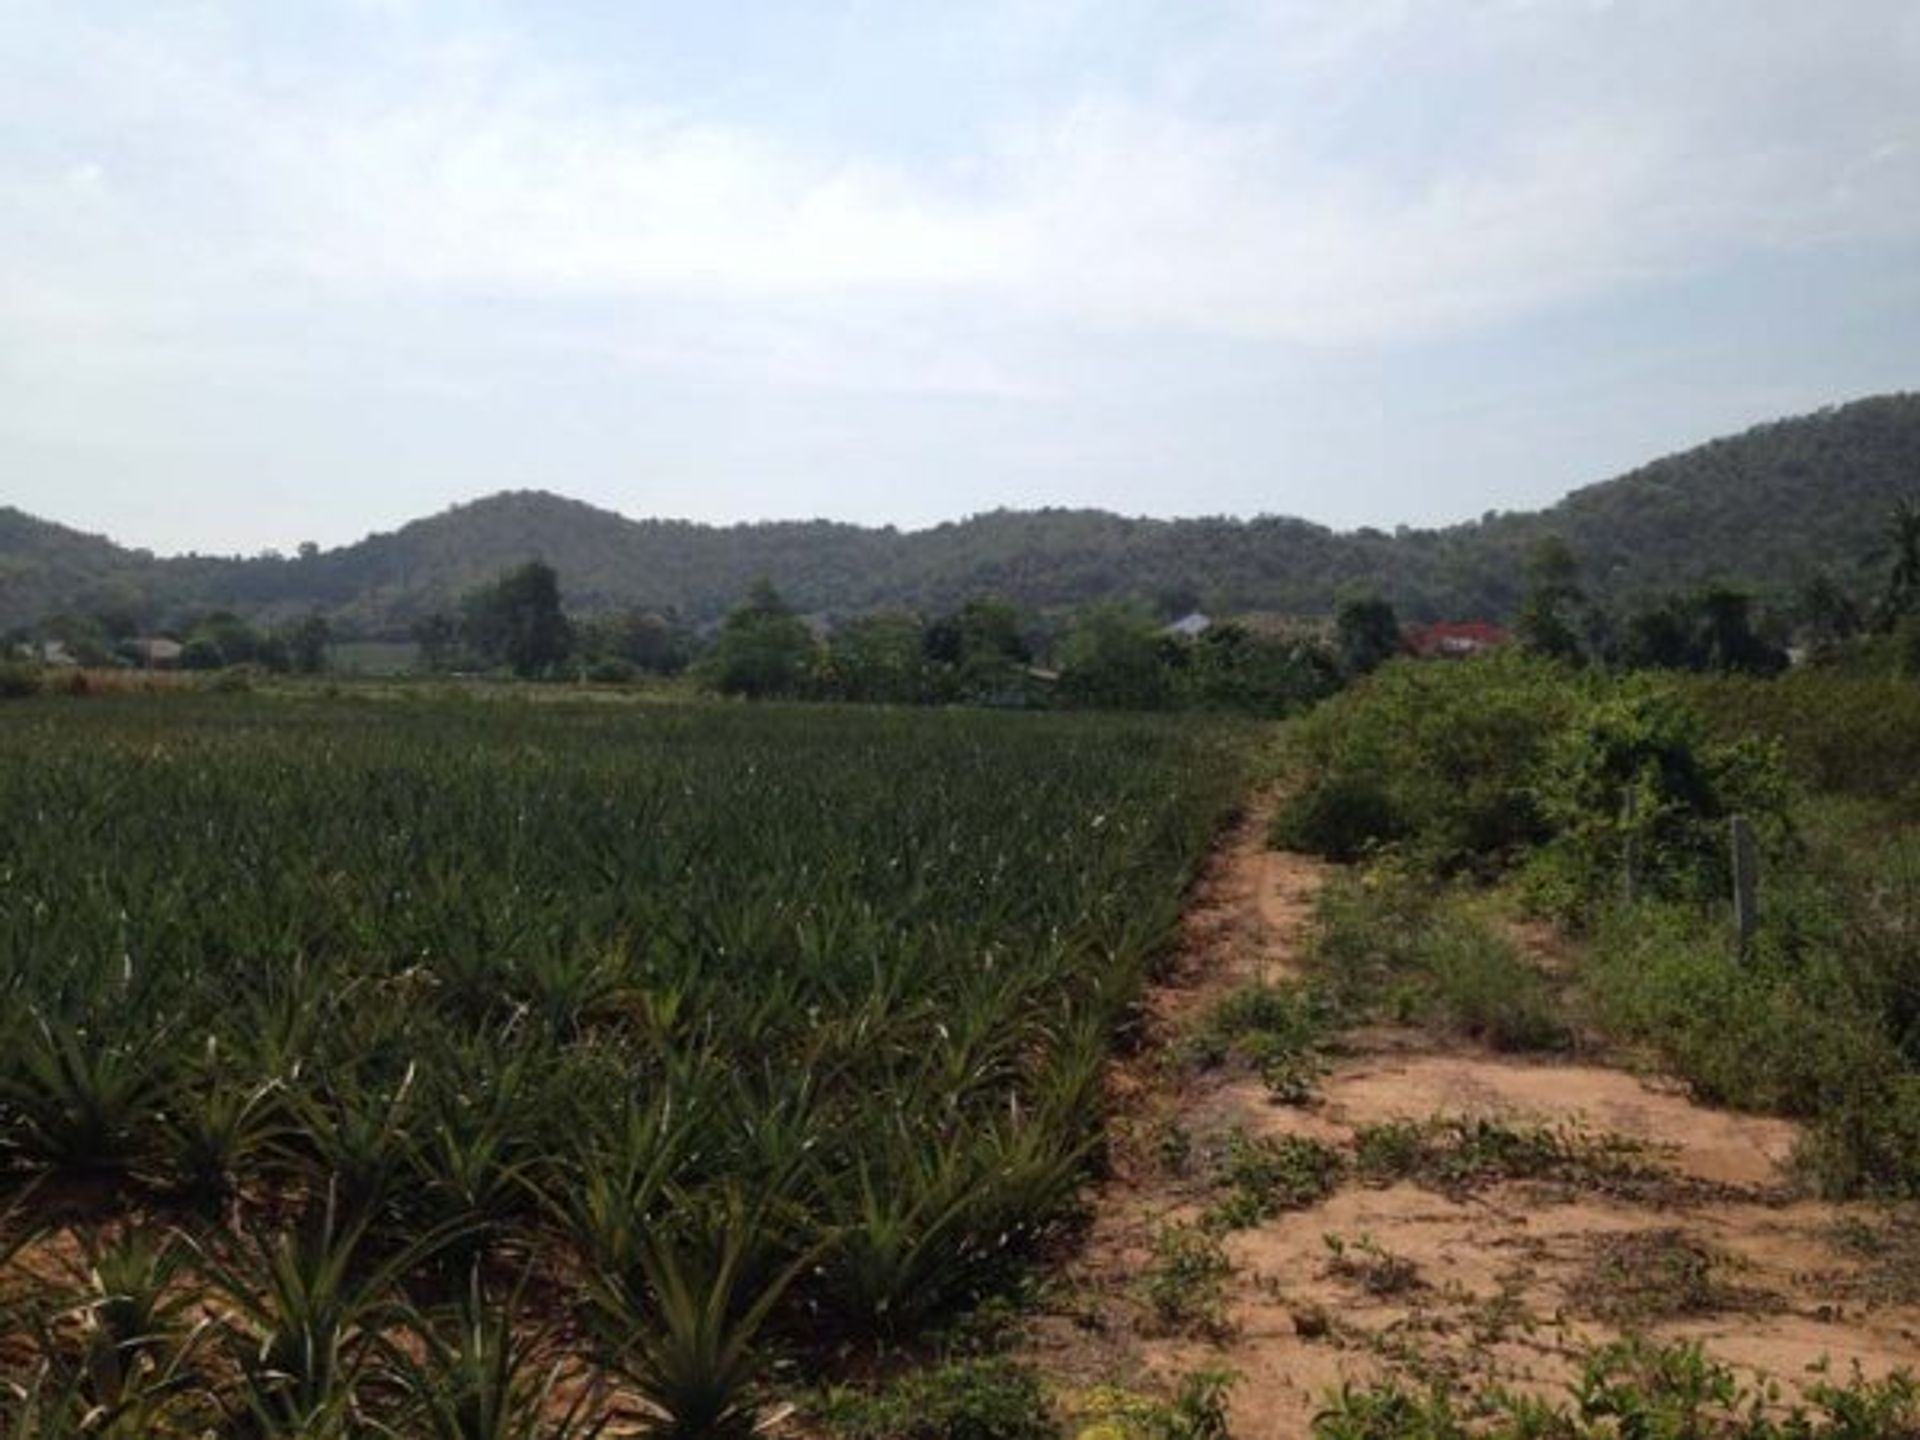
(471, 165)
(1025, 221)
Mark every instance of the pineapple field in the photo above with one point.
(498, 1069)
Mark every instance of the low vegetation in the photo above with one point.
(1603, 802)
(1634, 1388)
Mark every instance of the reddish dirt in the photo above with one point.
(1509, 1282)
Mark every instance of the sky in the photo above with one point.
(274, 271)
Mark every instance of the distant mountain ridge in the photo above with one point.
(1766, 507)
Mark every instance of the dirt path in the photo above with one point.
(1698, 1236)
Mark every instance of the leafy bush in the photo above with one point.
(612, 671)
(1504, 760)
(1820, 1017)
(1642, 740)
(18, 682)
(1341, 818)
(1277, 1029)
(1439, 758)
(1855, 734)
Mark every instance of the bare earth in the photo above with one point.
(1507, 1283)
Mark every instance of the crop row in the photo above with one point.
(706, 1026)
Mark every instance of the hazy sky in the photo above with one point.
(275, 270)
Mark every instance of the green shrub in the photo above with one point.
(1437, 757)
(18, 682)
(1277, 1029)
(1642, 739)
(612, 672)
(1852, 733)
(1341, 818)
(1793, 1028)
(1366, 936)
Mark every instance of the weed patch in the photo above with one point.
(1458, 1155)
(1277, 1031)
(1378, 1271)
(1634, 1389)
(984, 1399)
(1636, 1279)
(1197, 1410)
(1265, 1176)
(1185, 1281)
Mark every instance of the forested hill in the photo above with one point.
(1766, 507)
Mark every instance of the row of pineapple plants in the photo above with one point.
(522, 1070)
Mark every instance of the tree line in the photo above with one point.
(986, 651)
(1718, 626)
(210, 640)
(1119, 655)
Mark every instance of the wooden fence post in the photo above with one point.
(1746, 883)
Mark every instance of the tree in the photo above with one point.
(1728, 639)
(200, 653)
(237, 642)
(1659, 636)
(1232, 668)
(1112, 658)
(307, 641)
(1826, 614)
(1367, 634)
(878, 658)
(650, 640)
(1172, 601)
(764, 649)
(980, 649)
(83, 636)
(1711, 629)
(1550, 608)
(1901, 596)
(517, 621)
(438, 636)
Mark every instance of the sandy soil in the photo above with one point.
(1507, 1282)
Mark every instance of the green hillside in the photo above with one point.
(1765, 507)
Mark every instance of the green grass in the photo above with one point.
(1821, 1019)
(1388, 944)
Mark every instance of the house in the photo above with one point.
(1454, 640)
(1190, 626)
(154, 652)
(55, 652)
